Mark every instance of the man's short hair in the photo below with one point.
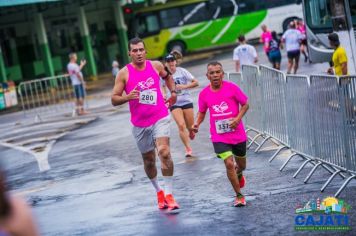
(214, 63)
(135, 41)
(333, 37)
(241, 38)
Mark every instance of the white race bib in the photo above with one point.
(148, 97)
(222, 126)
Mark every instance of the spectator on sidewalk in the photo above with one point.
(78, 83)
(292, 38)
(339, 58)
(15, 215)
(244, 54)
(115, 68)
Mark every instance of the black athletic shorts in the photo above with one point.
(293, 54)
(224, 150)
(186, 106)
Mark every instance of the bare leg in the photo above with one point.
(149, 163)
(296, 64)
(164, 154)
(290, 64)
(241, 164)
(231, 174)
(178, 115)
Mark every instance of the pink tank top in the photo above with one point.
(150, 107)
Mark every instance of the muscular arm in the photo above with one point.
(117, 97)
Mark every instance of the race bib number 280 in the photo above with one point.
(223, 126)
(148, 97)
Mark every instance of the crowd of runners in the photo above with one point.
(293, 40)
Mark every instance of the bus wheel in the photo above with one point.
(176, 45)
(287, 21)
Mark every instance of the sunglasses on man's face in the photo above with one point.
(169, 60)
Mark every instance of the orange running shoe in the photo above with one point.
(240, 201)
(171, 203)
(242, 180)
(161, 200)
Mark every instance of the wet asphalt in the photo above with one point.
(96, 184)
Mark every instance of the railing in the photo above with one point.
(47, 96)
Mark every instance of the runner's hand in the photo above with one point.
(233, 123)
(172, 100)
(134, 94)
(192, 131)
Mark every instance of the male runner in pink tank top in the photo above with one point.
(227, 104)
(149, 115)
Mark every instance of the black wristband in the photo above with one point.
(168, 72)
(173, 91)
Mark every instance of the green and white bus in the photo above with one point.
(193, 25)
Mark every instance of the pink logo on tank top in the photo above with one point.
(143, 85)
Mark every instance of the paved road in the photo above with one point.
(97, 186)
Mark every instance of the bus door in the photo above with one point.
(342, 24)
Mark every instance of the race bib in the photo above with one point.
(222, 126)
(148, 97)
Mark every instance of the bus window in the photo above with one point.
(223, 7)
(147, 25)
(318, 14)
(353, 11)
(194, 13)
(170, 17)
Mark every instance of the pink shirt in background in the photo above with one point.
(301, 28)
(265, 38)
(150, 108)
(223, 104)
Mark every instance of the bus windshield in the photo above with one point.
(318, 14)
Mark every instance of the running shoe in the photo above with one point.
(188, 152)
(161, 200)
(171, 203)
(240, 201)
(242, 180)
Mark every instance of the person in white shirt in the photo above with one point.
(244, 54)
(76, 76)
(292, 38)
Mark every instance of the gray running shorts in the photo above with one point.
(145, 137)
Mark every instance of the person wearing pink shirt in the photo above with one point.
(140, 80)
(265, 38)
(304, 43)
(227, 105)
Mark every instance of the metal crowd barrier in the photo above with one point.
(45, 96)
(274, 107)
(314, 117)
(253, 89)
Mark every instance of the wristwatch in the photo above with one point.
(173, 91)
